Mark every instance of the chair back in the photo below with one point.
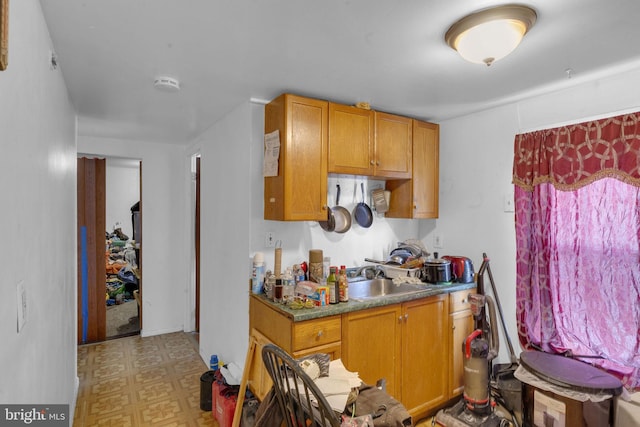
(301, 402)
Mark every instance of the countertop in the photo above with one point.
(299, 315)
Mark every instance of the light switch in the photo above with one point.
(508, 203)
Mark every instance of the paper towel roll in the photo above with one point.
(277, 269)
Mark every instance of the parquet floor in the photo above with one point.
(135, 381)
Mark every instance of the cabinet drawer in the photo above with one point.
(316, 332)
(459, 300)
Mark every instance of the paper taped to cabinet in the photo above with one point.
(271, 153)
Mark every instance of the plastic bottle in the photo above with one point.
(298, 273)
(213, 364)
(343, 284)
(288, 285)
(257, 273)
(334, 286)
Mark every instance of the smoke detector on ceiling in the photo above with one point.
(167, 84)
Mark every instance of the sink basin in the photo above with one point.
(377, 288)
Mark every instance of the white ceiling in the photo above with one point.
(390, 53)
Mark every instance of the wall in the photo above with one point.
(165, 267)
(122, 192)
(37, 188)
(476, 158)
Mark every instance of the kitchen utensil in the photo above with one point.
(462, 268)
(438, 271)
(330, 223)
(341, 215)
(362, 212)
(379, 201)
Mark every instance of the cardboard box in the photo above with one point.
(541, 408)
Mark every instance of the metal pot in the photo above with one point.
(438, 271)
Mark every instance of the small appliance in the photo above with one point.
(462, 268)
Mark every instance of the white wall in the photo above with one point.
(37, 188)
(165, 260)
(122, 191)
(476, 160)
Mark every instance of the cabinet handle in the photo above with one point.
(372, 162)
(400, 319)
(378, 163)
(320, 333)
(453, 327)
(406, 317)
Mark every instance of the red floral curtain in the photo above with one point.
(577, 194)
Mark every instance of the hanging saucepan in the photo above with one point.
(341, 215)
(362, 212)
(330, 223)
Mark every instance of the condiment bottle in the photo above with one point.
(277, 291)
(334, 286)
(343, 284)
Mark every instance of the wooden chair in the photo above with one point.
(301, 402)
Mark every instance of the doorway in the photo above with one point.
(109, 248)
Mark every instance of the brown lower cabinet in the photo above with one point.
(408, 344)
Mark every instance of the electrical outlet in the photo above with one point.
(438, 241)
(270, 239)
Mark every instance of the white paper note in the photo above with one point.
(271, 153)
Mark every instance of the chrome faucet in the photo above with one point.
(370, 271)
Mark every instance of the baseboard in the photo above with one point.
(145, 333)
(72, 406)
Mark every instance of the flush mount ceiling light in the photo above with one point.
(166, 84)
(490, 34)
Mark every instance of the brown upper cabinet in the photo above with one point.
(299, 191)
(418, 197)
(369, 143)
(393, 153)
(319, 137)
(351, 140)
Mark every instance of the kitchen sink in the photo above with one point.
(378, 288)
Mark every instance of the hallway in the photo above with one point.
(134, 381)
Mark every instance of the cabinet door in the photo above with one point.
(371, 345)
(425, 169)
(393, 146)
(350, 140)
(425, 353)
(299, 192)
(461, 328)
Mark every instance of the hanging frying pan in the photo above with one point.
(341, 215)
(330, 223)
(362, 212)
